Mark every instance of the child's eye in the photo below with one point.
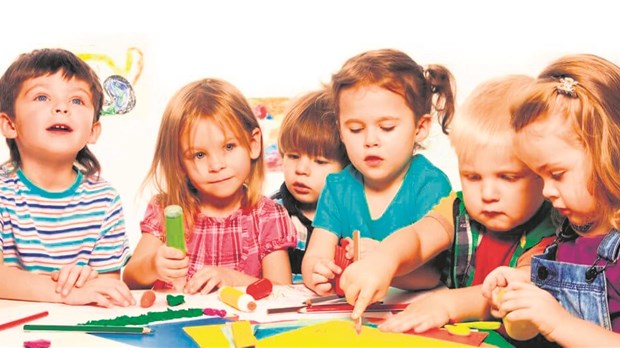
(471, 177)
(387, 128)
(509, 178)
(77, 101)
(355, 130)
(557, 175)
(41, 98)
(321, 161)
(292, 155)
(229, 146)
(199, 155)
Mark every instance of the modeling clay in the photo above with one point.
(147, 299)
(175, 300)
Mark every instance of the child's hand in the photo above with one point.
(102, 291)
(72, 275)
(171, 265)
(323, 271)
(207, 279)
(367, 245)
(425, 312)
(365, 282)
(500, 278)
(527, 302)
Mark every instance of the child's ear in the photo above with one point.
(7, 127)
(423, 128)
(95, 131)
(256, 143)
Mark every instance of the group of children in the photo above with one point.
(532, 237)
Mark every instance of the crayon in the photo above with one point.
(345, 307)
(356, 257)
(175, 235)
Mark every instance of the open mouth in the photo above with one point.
(59, 128)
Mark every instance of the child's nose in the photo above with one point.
(303, 165)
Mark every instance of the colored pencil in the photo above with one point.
(311, 301)
(345, 307)
(284, 309)
(356, 257)
(90, 328)
(23, 320)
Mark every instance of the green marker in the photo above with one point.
(175, 237)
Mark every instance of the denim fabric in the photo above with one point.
(580, 289)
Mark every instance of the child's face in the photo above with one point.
(499, 191)
(561, 162)
(305, 176)
(53, 119)
(379, 132)
(216, 162)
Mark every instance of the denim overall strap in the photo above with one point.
(568, 283)
(609, 249)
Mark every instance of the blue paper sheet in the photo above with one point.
(164, 335)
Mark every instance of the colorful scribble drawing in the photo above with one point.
(270, 112)
(120, 95)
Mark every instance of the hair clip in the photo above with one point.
(567, 87)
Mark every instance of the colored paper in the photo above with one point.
(208, 336)
(341, 333)
(242, 334)
(164, 335)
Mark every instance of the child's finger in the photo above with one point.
(71, 280)
(83, 276)
(54, 275)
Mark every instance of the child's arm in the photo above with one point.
(425, 277)
(368, 280)
(153, 260)
(438, 308)
(526, 301)
(276, 268)
(318, 267)
(28, 286)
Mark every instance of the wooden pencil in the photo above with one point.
(345, 307)
(284, 309)
(311, 301)
(23, 320)
(91, 328)
(356, 257)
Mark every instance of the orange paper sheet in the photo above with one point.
(342, 333)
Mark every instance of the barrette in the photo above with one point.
(566, 86)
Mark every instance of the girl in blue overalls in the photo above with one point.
(568, 132)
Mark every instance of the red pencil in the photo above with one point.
(24, 320)
(345, 307)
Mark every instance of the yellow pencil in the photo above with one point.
(356, 257)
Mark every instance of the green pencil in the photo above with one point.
(90, 328)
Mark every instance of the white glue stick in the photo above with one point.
(237, 299)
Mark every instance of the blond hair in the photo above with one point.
(483, 120)
(592, 109)
(211, 99)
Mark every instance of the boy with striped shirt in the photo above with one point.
(62, 229)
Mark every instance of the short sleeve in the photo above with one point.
(111, 251)
(153, 221)
(526, 259)
(327, 216)
(276, 228)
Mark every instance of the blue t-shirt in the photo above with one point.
(343, 208)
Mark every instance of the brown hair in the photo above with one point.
(49, 61)
(423, 90)
(310, 127)
(212, 99)
(593, 111)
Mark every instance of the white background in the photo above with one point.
(285, 48)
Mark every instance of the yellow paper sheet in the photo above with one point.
(208, 335)
(342, 333)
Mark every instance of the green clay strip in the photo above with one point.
(149, 317)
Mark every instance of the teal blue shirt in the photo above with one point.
(342, 206)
